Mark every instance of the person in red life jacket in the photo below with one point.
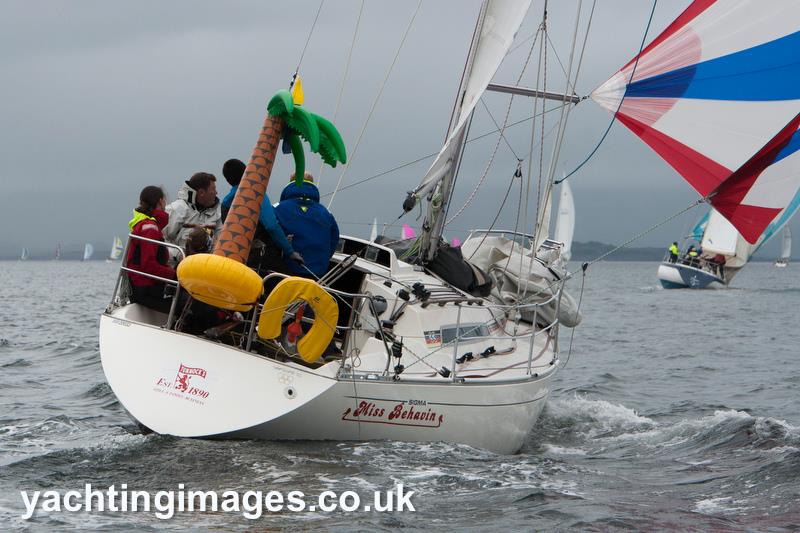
(147, 257)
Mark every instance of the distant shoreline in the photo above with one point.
(581, 251)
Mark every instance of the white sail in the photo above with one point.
(721, 237)
(565, 220)
(88, 250)
(786, 245)
(116, 249)
(25, 254)
(373, 234)
(501, 22)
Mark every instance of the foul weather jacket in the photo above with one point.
(310, 227)
(185, 211)
(147, 256)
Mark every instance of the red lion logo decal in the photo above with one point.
(182, 382)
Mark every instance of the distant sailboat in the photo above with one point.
(374, 233)
(88, 250)
(786, 248)
(116, 250)
(565, 220)
(25, 255)
(58, 252)
(719, 240)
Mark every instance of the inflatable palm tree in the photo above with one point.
(222, 278)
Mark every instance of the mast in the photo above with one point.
(439, 199)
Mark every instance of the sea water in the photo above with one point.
(674, 409)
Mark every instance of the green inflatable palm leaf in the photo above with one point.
(320, 133)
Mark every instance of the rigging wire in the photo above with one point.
(385, 172)
(517, 174)
(648, 230)
(474, 192)
(577, 313)
(344, 76)
(308, 39)
(374, 104)
(613, 118)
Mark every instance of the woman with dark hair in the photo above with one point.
(147, 257)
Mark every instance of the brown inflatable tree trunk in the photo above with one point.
(236, 236)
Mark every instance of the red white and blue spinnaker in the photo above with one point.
(717, 96)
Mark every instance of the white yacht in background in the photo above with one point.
(116, 250)
(786, 248)
(24, 255)
(88, 251)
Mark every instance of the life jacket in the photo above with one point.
(156, 259)
(674, 250)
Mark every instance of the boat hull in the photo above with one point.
(678, 276)
(186, 386)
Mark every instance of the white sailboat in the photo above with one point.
(722, 253)
(57, 255)
(24, 255)
(88, 251)
(786, 248)
(565, 220)
(431, 347)
(116, 250)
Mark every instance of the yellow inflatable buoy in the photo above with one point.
(326, 312)
(220, 281)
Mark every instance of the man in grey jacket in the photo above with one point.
(197, 206)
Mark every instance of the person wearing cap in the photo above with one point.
(309, 225)
(272, 239)
(197, 206)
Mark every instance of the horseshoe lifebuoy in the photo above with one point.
(311, 347)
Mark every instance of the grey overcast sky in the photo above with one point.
(100, 98)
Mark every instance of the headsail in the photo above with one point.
(116, 249)
(786, 245)
(500, 24)
(721, 237)
(717, 96)
(700, 228)
(565, 220)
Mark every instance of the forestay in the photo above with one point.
(717, 96)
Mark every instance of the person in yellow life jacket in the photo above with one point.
(692, 256)
(674, 252)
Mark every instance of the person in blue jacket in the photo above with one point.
(268, 227)
(310, 226)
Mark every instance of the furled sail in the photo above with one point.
(565, 220)
(717, 96)
(501, 21)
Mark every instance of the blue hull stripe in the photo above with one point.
(767, 72)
